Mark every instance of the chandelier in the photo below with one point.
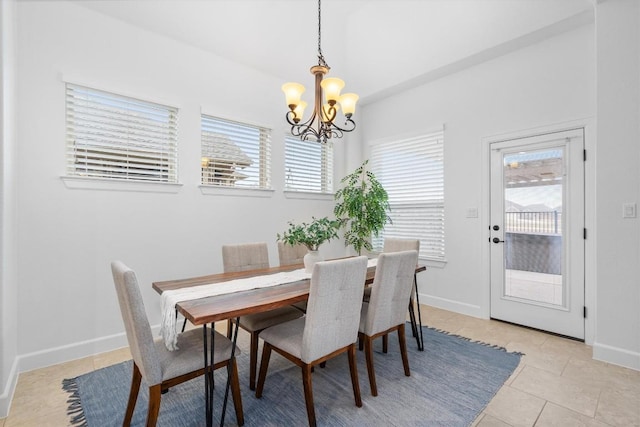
(321, 126)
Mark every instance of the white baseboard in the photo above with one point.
(66, 353)
(451, 305)
(7, 394)
(616, 356)
(56, 355)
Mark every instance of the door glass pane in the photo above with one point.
(533, 225)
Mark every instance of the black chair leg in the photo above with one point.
(412, 318)
(419, 338)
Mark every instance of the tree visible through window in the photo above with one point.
(412, 172)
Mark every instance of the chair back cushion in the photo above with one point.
(289, 254)
(395, 244)
(243, 257)
(333, 308)
(390, 291)
(136, 323)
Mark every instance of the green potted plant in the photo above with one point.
(311, 235)
(362, 207)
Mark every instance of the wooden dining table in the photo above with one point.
(208, 310)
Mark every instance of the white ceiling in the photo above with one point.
(376, 46)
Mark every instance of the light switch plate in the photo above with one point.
(629, 210)
(472, 212)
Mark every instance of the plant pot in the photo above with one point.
(310, 260)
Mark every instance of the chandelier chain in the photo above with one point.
(321, 60)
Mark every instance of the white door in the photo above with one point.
(537, 232)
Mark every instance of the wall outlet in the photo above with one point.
(629, 210)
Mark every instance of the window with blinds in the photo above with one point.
(412, 172)
(115, 137)
(235, 154)
(308, 166)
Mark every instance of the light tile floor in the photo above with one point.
(556, 384)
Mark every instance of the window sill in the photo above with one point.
(307, 195)
(211, 190)
(76, 182)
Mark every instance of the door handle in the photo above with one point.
(497, 240)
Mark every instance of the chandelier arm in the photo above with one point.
(350, 126)
(291, 118)
(329, 115)
(303, 130)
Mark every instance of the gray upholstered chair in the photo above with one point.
(329, 328)
(386, 310)
(245, 257)
(292, 255)
(161, 368)
(253, 256)
(395, 244)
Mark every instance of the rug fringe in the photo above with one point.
(74, 410)
(494, 346)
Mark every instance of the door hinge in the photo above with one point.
(584, 155)
(584, 233)
(584, 311)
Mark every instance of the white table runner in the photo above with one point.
(169, 299)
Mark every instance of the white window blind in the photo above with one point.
(235, 154)
(308, 166)
(412, 172)
(116, 137)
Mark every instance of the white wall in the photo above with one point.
(64, 306)
(8, 282)
(68, 237)
(618, 182)
(546, 83)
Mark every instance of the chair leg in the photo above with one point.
(253, 360)
(368, 354)
(353, 368)
(385, 343)
(403, 349)
(235, 392)
(229, 329)
(264, 364)
(133, 396)
(420, 338)
(308, 394)
(412, 318)
(154, 404)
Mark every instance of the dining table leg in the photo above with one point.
(208, 374)
(209, 385)
(419, 336)
(229, 373)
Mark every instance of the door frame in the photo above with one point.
(588, 124)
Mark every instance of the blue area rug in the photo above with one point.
(451, 382)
